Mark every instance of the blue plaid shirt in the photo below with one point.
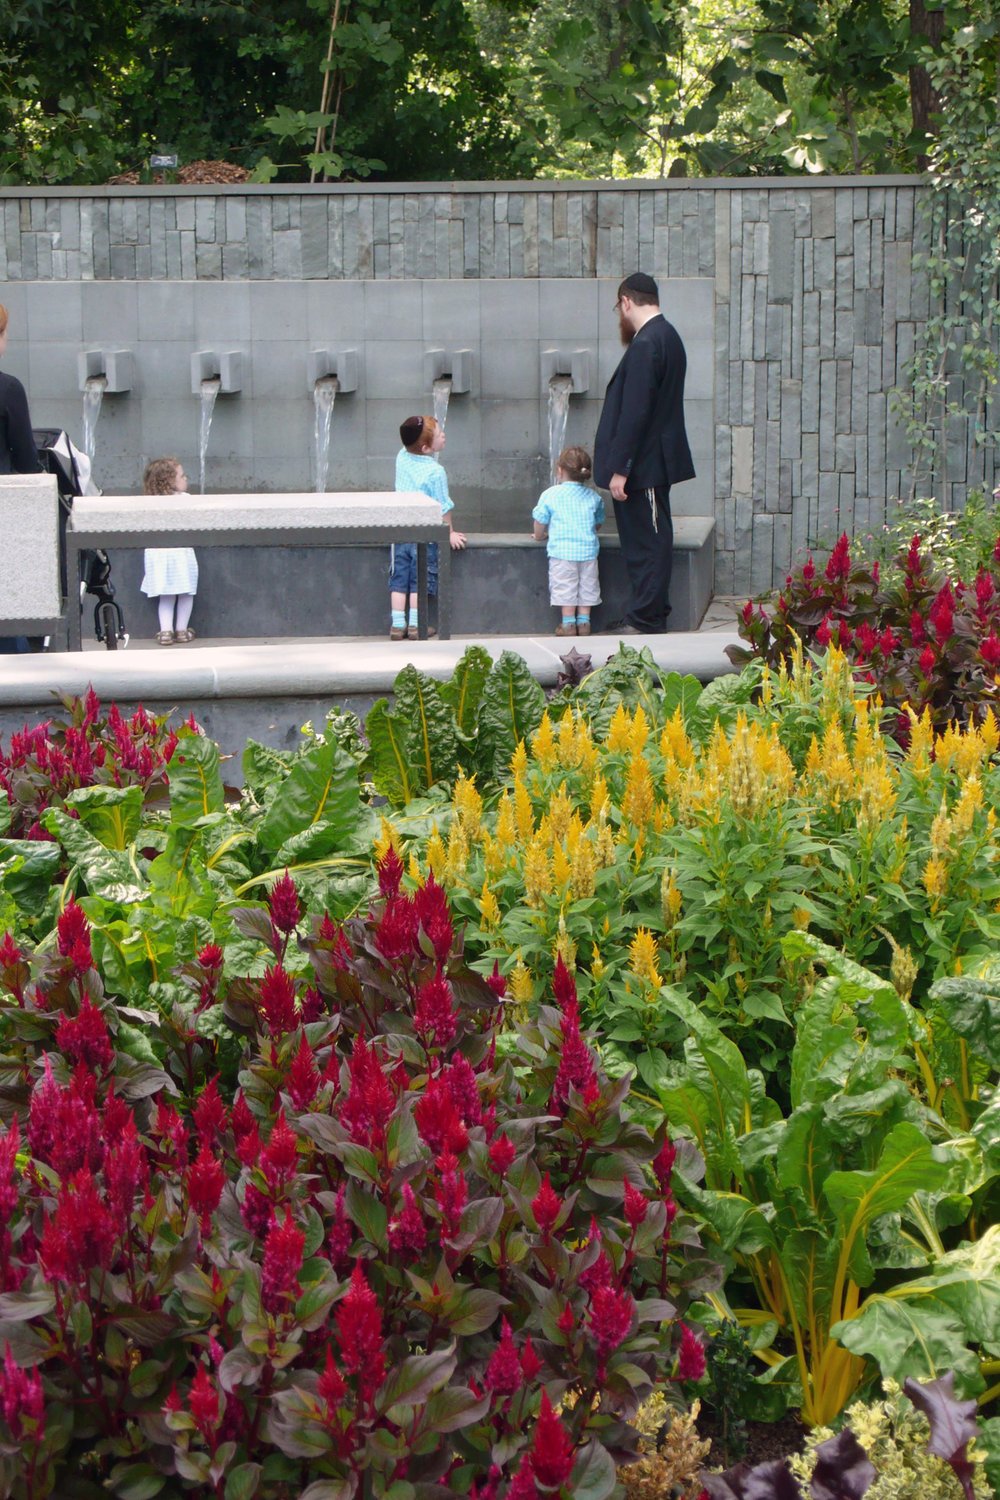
(419, 471)
(571, 512)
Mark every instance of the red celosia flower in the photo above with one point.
(10, 1142)
(497, 982)
(451, 1194)
(523, 1486)
(504, 1374)
(359, 1332)
(211, 957)
(311, 1005)
(407, 1232)
(84, 1037)
(205, 1405)
(64, 1125)
(368, 1105)
(502, 1153)
(926, 660)
(942, 614)
(303, 1080)
(876, 572)
(990, 650)
(80, 1235)
(611, 1314)
(434, 1018)
(10, 953)
(438, 1120)
(576, 1064)
(282, 1263)
(205, 1180)
(430, 903)
(546, 1206)
(551, 1450)
(839, 565)
(663, 1164)
(126, 1172)
(255, 1210)
(985, 590)
(279, 1157)
(277, 1001)
(332, 938)
(563, 985)
(746, 613)
(72, 929)
(691, 1356)
(636, 1206)
(331, 1386)
(566, 1320)
(173, 1135)
(914, 563)
(21, 1400)
(340, 1235)
(601, 1273)
(530, 1363)
(286, 909)
(242, 1120)
(888, 641)
(865, 640)
(845, 634)
(823, 632)
(209, 1114)
(395, 937)
(390, 872)
(808, 570)
(461, 1083)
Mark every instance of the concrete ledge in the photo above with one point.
(105, 514)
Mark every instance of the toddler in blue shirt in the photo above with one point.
(567, 517)
(417, 468)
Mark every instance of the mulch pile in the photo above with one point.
(191, 172)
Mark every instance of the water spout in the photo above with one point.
(441, 395)
(324, 396)
(209, 390)
(560, 390)
(93, 394)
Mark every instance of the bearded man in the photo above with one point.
(641, 449)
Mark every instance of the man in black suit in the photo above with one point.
(641, 448)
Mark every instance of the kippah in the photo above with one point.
(641, 283)
(410, 431)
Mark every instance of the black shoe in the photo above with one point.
(620, 627)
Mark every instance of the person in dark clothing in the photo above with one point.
(18, 454)
(641, 448)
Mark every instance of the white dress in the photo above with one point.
(170, 570)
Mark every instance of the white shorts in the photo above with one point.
(574, 582)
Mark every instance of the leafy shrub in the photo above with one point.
(923, 638)
(401, 1259)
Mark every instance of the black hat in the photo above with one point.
(410, 430)
(641, 283)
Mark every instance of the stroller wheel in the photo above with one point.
(106, 621)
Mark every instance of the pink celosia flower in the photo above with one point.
(636, 1206)
(359, 1332)
(530, 1363)
(331, 1386)
(504, 1374)
(546, 1206)
(10, 1142)
(22, 1403)
(255, 1210)
(663, 1164)
(84, 1037)
(502, 1154)
(205, 1405)
(282, 1263)
(552, 1449)
(286, 908)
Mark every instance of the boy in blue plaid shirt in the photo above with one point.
(567, 517)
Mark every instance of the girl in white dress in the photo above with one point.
(171, 575)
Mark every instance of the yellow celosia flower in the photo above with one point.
(495, 859)
(639, 732)
(643, 955)
(506, 829)
(597, 967)
(605, 847)
(537, 873)
(567, 739)
(468, 805)
(458, 852)
(489, 909)
(585, 751)
(801, 918)
(388, 838)
(524, 813)
(583, 878)
(414, 871)
(543, 743)
(766, 686)
(670, 898)
(989, 733)
(921, 741)
(674, 742)
(599, 797)
(935, 879)
(437, 858)
(637, 803)
(941, 830)
(560, 812)
(619, 730)
(519, 760)
(564, 946)
(520, 984)
(562, 869)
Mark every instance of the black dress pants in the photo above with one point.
(647, 537)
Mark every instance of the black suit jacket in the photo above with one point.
(641, 433)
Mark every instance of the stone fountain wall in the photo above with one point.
(795, 297)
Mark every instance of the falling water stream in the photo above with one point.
(560, 389)
(209, 391)
(93, 394)
(324, 395)
(441, 395)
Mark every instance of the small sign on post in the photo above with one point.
(163, 163)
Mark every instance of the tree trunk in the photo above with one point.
(926, 24)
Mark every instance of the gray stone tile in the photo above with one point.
(208, 262)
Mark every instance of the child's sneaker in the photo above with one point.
(568, 627)
(397, 633)
(583, 627)
(413, 633)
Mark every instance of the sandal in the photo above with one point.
(182, 637)
(164, 638)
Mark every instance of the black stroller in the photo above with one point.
(56, 454)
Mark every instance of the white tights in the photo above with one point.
(165, 606)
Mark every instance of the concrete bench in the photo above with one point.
(302, 520)
(31, 598)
